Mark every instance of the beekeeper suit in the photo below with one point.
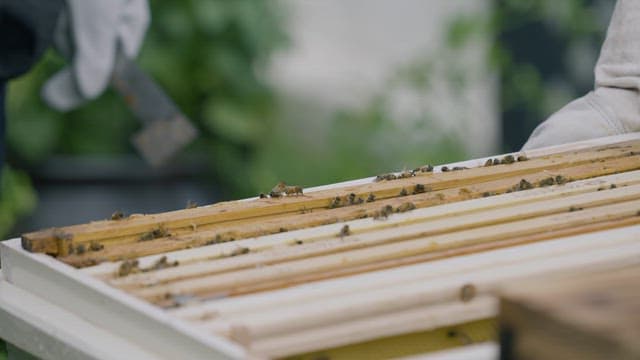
(613, 107)
(88, 33)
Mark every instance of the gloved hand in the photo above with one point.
(614, 107)
(89, 34)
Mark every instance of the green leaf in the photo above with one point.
(232, 122)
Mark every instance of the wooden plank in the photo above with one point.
(63, 241)
(327, 290)
(589, 316)
(430, 256)
(225, 283)
(295, 318)
(255, 227)
(269, 242)
(361, 239)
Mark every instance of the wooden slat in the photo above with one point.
(258, 227)
(361, 239)
(424, 273)
(61, 241)
(279, 321)
(185, 257)
(430, 256)
(227, 282)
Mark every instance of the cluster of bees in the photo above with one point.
(93, 246)
(80, 248)
(455, 168)
(508, 159)
(283, 189)
(404, 174)
(553, 180)
(133, 266)
(351, 199)
(156, 233)
(387, 210)
(612, 186)
(522, 185)
(526, 185)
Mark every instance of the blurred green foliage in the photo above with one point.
(17, 197)
(209, 56)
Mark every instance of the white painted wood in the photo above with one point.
(316, 312)
(322, 291)
(114, 310)
(50, 332)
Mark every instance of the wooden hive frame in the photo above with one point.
(321, 284)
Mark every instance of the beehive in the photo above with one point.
(378, 266)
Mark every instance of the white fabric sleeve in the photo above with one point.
(614, 106)
(97, 29)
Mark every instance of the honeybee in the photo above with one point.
(547, 181)
(80, 249)
(561, 180)
(278, 190)
(293, 190)
(128, 267)
(383, 213)
(406, 174)
(406, 207)
(509, 159)
(336, 202)
(95, 246)
(426, 168)
(523, 185)
(345, 231)
(239, 251)
(117, 215)
(467, 292)
(388, 176)
(420, 188)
